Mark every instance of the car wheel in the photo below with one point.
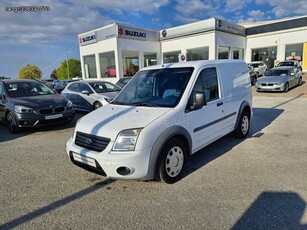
(11, 123)
(254, 80)
(300, 82)
(171, 164)
(286, 88)
(243, 126)
(97, 105)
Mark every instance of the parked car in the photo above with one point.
(123, 81)
(48, 82)
(279, 79)
(290, 63)
(162, 116)
(60, 85)
(88, 95)
(259, 67)
(54, 82)
(253, 75)
(30, 103)
(110, 71)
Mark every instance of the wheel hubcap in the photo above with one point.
(244, 125)
(174, 161)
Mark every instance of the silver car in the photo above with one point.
(260, 67)
(279, 79)
(88, 95)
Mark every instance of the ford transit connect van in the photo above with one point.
(165, 114)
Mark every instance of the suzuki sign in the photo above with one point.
(88, 38)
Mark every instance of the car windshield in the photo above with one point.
(277, 72)
(255, 65)
(27, 89)
(104, 87)
(155, 88)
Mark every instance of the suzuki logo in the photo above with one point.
(120, 31)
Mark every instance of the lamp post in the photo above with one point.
(67, 65)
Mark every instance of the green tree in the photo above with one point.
(29, 72)
(53, 75)
(74, 67)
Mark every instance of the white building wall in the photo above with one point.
(229, 40)
(279, 39)
(190, 42)
(139, 46)
(96, 49)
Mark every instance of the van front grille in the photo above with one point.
(91, 142)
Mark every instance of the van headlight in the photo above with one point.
(126, 140)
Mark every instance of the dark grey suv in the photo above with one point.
(29, 103)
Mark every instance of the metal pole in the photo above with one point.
(67, 65)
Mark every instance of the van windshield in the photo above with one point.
(155, 88)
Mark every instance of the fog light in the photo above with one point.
(124, 171)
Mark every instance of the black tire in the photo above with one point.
(254, 80)
(97, 105)
(243, 126)
(11, 123)
(172, 161)
(286, 88)
(300, 82)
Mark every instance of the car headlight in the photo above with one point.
(23, 109)
(279, 83)
(126, 140)
(69, 104)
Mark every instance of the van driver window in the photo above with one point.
(207, 84)
(1, 91)
(210, 84)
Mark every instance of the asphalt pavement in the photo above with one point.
(256, 183)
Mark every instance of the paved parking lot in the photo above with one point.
(256, 183)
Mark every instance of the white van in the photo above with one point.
(162, 116)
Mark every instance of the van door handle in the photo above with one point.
(219, 104)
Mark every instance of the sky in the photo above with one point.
(50, 34)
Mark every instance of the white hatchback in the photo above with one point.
(88, 95)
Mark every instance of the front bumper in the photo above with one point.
(110, 163)
(277, 88)
(35, 120)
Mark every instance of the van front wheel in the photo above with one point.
(243, 126)
(172, 161)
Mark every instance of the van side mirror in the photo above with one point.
(198, 101)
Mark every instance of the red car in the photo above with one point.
(110, 71)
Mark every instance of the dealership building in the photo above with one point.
(119, 50)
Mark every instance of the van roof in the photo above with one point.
(195, 64)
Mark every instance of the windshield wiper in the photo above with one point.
(144, 104)
(118, 103)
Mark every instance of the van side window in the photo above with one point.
(210, 84)
(1, 91)
(207, 84)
